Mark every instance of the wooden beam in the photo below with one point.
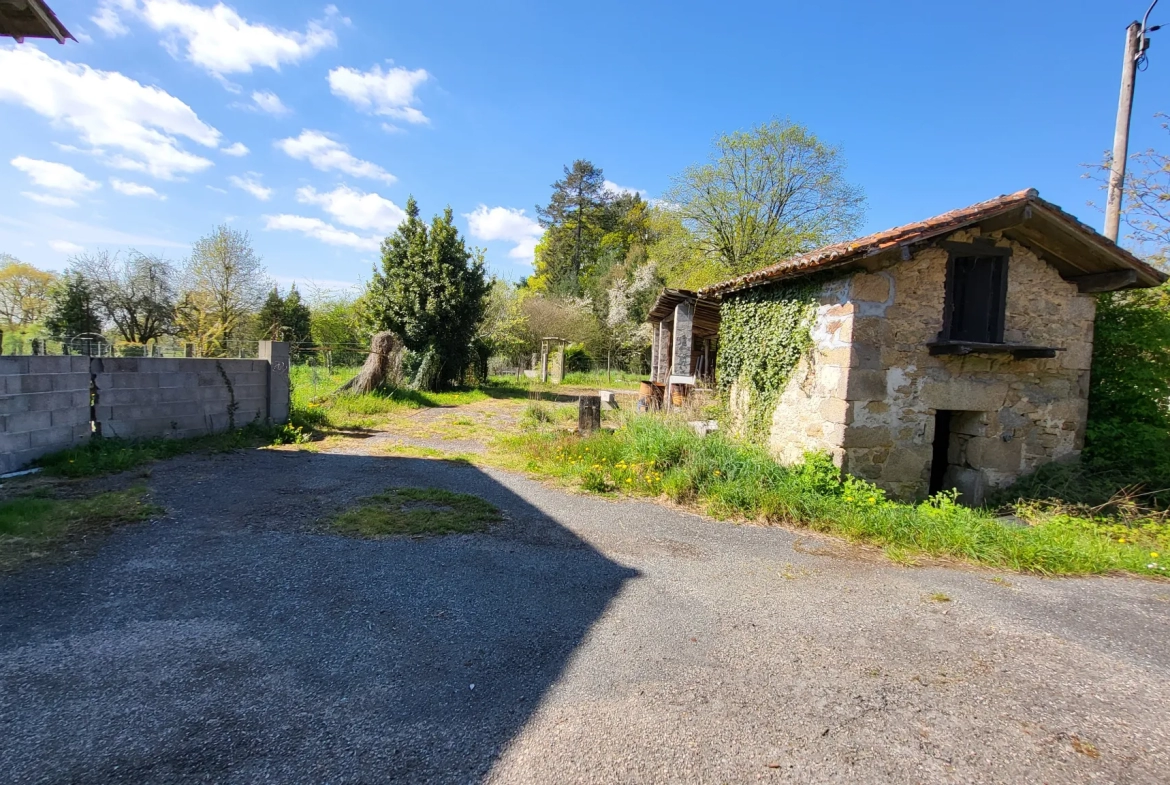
(35, 5)
(1105, 282)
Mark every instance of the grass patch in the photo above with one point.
(29, 525)
(652, 456)
(417, 512)
(109, 455)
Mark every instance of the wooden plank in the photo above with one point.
(1105, 282)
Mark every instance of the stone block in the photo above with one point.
(70, 381)
(995, 454)
(1078, 356)
(868, 358)
(13, 366)
(875, 436)
(871, 288)
(970, 483)
(870, 330)
(863, 385)
(49, 364)
(836, 410)
(906, 464)
(964, 395)
(14, 442)
(80, 364)
(27, 421)
(36, 383)
(58, 437)
(70, 416)
(47, 402)
(14, 404)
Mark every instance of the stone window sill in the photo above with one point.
(1018, 351)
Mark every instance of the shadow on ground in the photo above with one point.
(236, 641)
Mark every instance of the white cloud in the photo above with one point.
(54, 176)
(64, 246)
(134, 189)
(389, 93)
(354, 208)
(127, 124)
(620, 190)
(268, 101)
(251, 183)
(237, 150)
(217, 38)
(49, 199)
(328, 155)
(507, 224)
(326, 233)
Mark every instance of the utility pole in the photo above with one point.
(1133, 38)
(1136, 44)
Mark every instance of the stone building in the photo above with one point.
(950, 353)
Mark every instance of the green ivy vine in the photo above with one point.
(763, 333)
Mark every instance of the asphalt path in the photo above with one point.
(584, 640)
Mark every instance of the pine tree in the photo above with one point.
(574, 222)
(271, 320)
(430, 292)
(72, 309)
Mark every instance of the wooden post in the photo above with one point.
(588, 413)
(1133, 46)
(684, 335)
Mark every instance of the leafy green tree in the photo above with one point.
(504, 327)
(72, 308)
(766, 194)
(24, 292)
(270, 319)
(430, 291)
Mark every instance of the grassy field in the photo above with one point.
(650, 456)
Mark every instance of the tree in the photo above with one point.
(24, 292)
(574, 224)
(429, 292)
(285, 318)
(225, 280)
(767, 194)
(72, 307)
(504, 327)
(1145, 198)
(136, 292)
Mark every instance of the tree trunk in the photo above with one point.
(383, 364)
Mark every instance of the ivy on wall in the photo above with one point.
(763, 333)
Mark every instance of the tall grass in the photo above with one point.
(727, 479)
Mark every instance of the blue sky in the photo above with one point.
(309, 124)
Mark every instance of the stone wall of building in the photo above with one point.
(1012, 415)
(812, 414)
(868, 390)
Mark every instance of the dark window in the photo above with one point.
(976, 295)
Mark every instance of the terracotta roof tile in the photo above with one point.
(840, 253)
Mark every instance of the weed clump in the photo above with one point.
(653, 456)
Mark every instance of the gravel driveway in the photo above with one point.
(585, 640)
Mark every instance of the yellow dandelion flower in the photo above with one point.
(1153, 555)
(1121, 539)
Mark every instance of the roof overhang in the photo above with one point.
(1079, 253)
(706, 318)
(21, 19)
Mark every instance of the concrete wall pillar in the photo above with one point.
(276, 353)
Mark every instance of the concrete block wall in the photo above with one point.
(44, 407)
(145, 397)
